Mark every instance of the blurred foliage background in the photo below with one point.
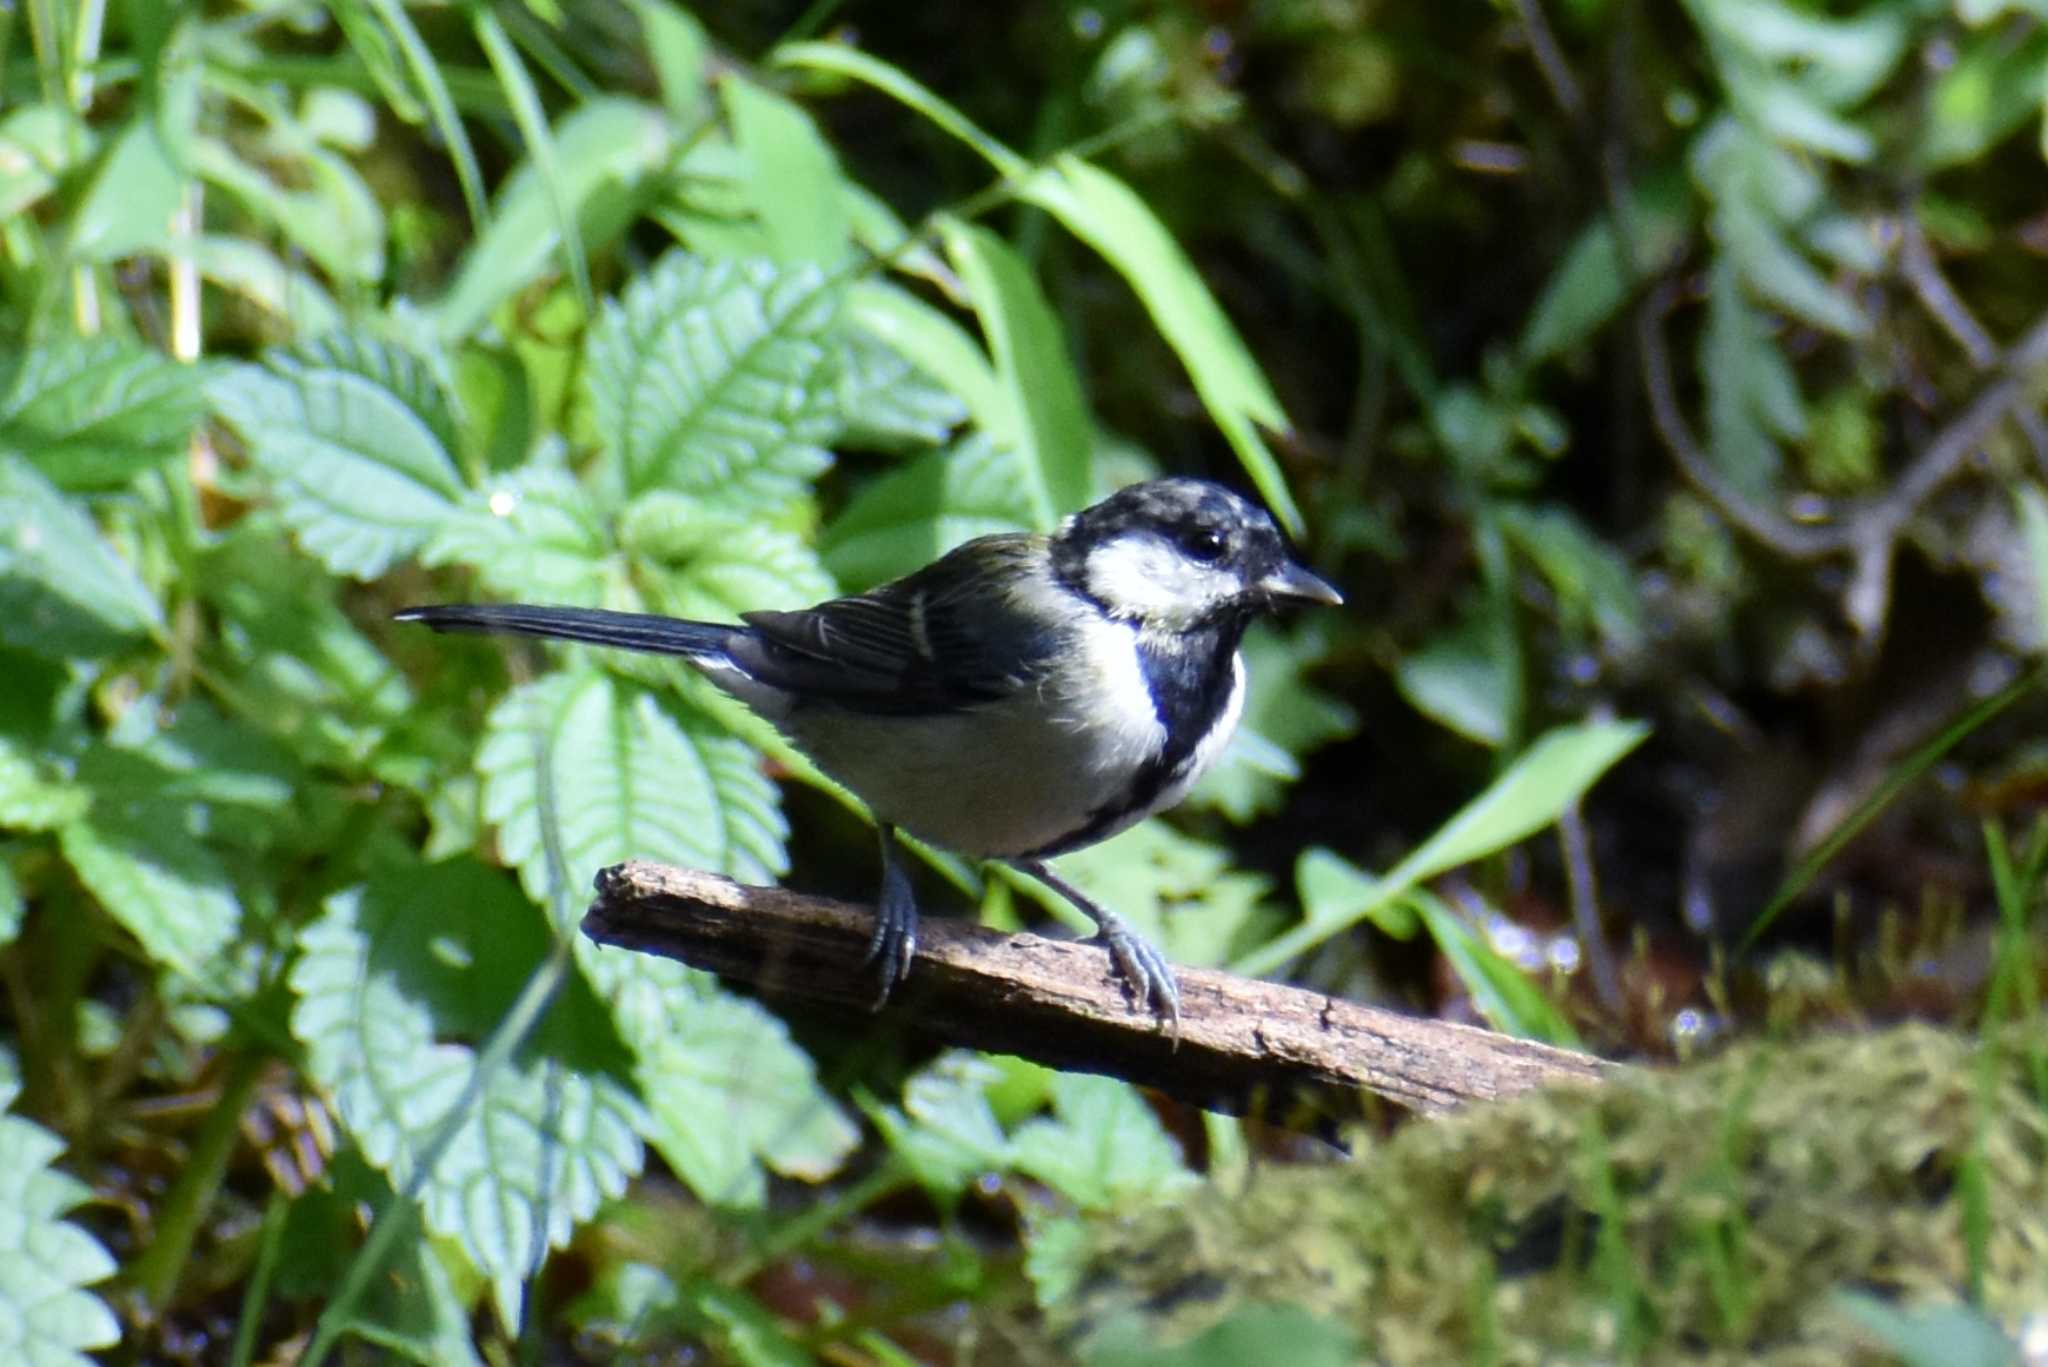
(1663, 385)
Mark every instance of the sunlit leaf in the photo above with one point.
(47, 1318)
(1053, 432)
(534, 533)
(93, 415)
(628, 779)
(395, 982)
(793, 177)
(715, 565)
(718, 379)
(357, 438)
(63, 590)
(158, 881)
(1103, 1147)
(914, 514)
(1550, 775)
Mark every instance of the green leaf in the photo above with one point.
(1592, 281)
(93, 415)
(63, 590)
(839, 59)
(937, 345)
(47, 1318)
(1550, 775)
(1503, 994)
(2032, 507)
(1458, 680)
(718, 379)
(793, 179)
(629, 779)
(534, 533)
(914, 514)
(611, 152)
(1336, 891)
(357, 439)
(887, 403)
(709, 564)
(1752, 394)
(1106, 1150)
(543, 157)
(155, 878)
(395, 981)
(727, 1087)
(947, 1133)
(198, 770)
(1109, 216)
(328, 213)
(31, 797)
(134, 193)
(1593, 583)
(1049, 426)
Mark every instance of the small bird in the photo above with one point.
(1020, 697)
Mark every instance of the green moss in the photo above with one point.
(1704, 1214)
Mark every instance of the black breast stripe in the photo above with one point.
(1189, 678)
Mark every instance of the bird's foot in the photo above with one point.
(1146, 976)
(894, 942)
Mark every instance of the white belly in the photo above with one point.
(1012, 778)
(1007, 778)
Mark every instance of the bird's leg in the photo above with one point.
(894, 943)
(1146, 976)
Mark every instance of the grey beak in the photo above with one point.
(1292, 581)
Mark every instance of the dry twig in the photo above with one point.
(1053, 1001)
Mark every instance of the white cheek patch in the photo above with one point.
(1143, 577)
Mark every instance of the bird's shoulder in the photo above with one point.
(968, 628)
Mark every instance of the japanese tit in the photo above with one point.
(1020, 697)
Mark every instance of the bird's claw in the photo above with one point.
(1146, 977)
(893, 944)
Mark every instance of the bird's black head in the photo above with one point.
(1178, 554)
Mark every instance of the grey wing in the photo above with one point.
(938, 640)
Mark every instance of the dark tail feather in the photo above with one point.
(591, 626)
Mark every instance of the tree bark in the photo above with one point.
(1242, 1043)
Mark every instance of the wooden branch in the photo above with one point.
(1053, 1001)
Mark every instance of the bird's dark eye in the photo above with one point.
(1205, 544)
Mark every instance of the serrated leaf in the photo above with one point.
(93, 415)
(887, 403)
(63, 590)
(534, 533)
(937, 345)
(158, 881)
(916, 513)
(714, 565)
(947, 1132)
(1104, 1150)
(717, 379)
(357, 439)
(728, 1089)
(47, 1318)
(393, 981)
(628, 779)
(31, 797)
